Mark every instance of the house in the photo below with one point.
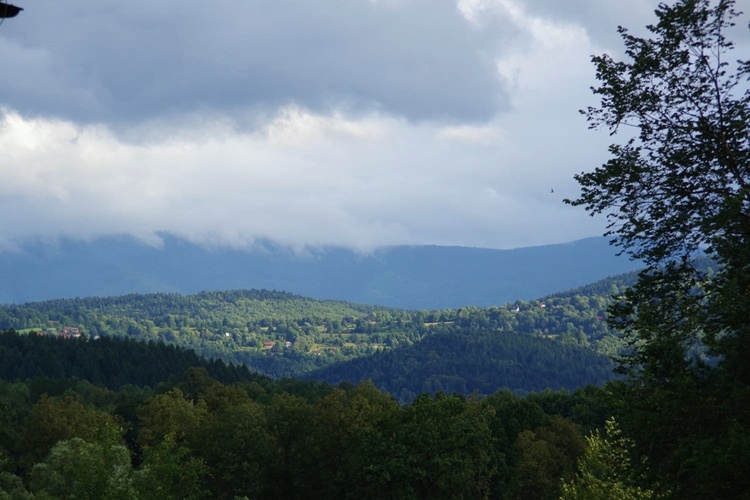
(70, 332)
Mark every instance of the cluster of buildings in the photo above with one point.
(67, 332)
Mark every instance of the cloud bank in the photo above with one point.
(356, 123)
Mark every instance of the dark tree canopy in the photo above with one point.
(677, 188)
(682, 184)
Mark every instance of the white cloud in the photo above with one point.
(304, 179)
(478, 134)
(357, 123)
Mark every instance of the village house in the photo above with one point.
(70, 332)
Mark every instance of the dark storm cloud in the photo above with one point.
(87, 60)
(357, 123)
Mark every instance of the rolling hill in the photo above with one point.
(556, 341)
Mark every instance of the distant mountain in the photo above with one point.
(409, 277)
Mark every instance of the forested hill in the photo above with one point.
(278, 333)
(467, 361)
(206, 310)
(407, 277)
(283, 335)
(108, 362)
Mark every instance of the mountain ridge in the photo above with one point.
(408, 277)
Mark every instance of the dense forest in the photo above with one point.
(284, 335)
(106, 361)
(459, 404)
(194, 436)
(473, 361)
(151, 416)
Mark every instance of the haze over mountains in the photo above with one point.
(409, 277)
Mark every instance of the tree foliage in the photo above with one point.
(76, 468)
(232, 441)
(474, 361)
(677, 188)
(681, 184)
(306, 335)
(605, 470)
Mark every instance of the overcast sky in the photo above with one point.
(357, 123)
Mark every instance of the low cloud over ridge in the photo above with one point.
(357, 123)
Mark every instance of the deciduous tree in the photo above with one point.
(677, 188)
(604, 472)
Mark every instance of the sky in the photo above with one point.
(329, 123)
